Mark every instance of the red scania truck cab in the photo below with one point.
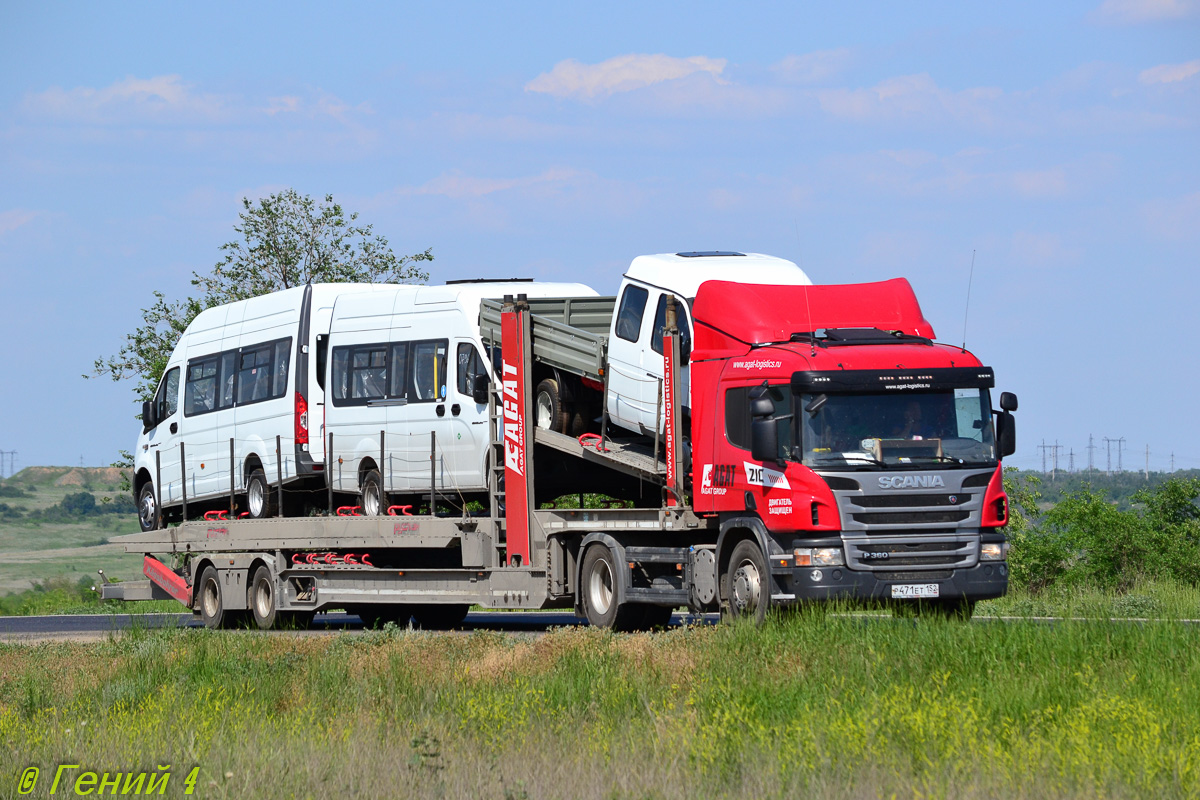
(862, 456)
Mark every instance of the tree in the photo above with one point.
(286, 240)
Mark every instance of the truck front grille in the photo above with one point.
(910, 517)
(892, 555)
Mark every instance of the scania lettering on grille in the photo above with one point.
(911, 481)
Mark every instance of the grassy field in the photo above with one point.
(36, 551)
(808, 706)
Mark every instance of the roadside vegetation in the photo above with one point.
(810, 705)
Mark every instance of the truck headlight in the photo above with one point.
(820, 557)
(993, 551)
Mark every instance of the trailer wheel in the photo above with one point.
(372, 494)
(747, 583)
(439, 616)
(212, 601)
(260, 500)
(262, 599)
(549, 413)
(148, 516)
(598, 582)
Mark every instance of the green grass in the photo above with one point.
(1153, 599)
(809, 706)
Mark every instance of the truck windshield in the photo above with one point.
(953, 426)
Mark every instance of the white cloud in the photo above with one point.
(914, 97)
(1174, 218)
(621, 74)
(813, 67)
(14, 218)
(1043, 249)
(160, 97)
(1041, 183)
(1130, 12)
(1170, 73)
(458, 186)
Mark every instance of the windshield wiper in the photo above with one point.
(852, 459)
(950, 459)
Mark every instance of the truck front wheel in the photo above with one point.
(747, 583)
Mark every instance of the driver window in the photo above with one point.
(167, 401)
(629, 315)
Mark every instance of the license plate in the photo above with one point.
(914, 590)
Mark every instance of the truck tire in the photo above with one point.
(439, 616)
(598, 578)
(148, 514)
(548, 411)
(747, 589)
(260, 500)
(371, 494)
(655, 617)
(262, 599)
(211, 600)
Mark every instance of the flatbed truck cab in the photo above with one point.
(858, 456)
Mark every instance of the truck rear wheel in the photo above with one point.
(148, 517)
(260, 501)
(598, 578)
(262, 599)
(548, 410)
(376, 615)
(212, 600)
(747, 583)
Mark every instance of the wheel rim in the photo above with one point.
(600, 587)
(264, 599)
(210, 601)
(747, 587)
(370, 501)
(256, 499)
(148, 511)
(543, 411)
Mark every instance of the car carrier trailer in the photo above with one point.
(777, 510)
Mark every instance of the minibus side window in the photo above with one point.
(254, 375)
(429, 371)
(399, 369)
(469, 365)
(200, 389)
(279, 368)
(368, 373)
(229, 360)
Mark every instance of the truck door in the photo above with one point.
(628, 383)
(426, 413)
(656, 362)
(164, 438)
(468, 419)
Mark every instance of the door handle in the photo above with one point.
(441, 409)
(174, 427)
(455, 409)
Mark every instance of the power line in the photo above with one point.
(1091, 447)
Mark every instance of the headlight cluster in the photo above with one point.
(820, 557)
(993, 551)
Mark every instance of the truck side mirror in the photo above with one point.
(1008, 401)
(479, 389)
(147, 415)
(764, 439)
(1006, 433)
(761, 407)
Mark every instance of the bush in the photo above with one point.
(1087, 539)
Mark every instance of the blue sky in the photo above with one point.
(1058, 141)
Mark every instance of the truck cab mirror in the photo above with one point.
(816, 404)
(764, 439)
(479, 389)
(147, 415)
(1006, 433)
(1008, 401)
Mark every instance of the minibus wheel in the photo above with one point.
(372, 494)
(148, 516)
(260, 500)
